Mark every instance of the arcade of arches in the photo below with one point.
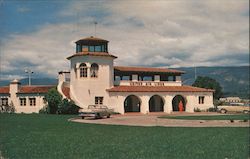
(156, 103)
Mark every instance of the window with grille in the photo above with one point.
(22, 101)
(201, 99)
(99, 100)
(83, 70)
(32, 101)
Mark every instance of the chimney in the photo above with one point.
(14, 87)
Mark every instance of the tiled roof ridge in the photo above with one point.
(183, 88)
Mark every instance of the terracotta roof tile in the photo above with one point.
(4, 90)
(66, 92)
(91, 54)
(35, 89)
(146, 69)
(158, 89)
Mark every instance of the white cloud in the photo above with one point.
(153, 33)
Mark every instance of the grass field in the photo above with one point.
(210, 117)
(52, 136)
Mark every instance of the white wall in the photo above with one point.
(116, 100)
(29, 109)
(84, 90)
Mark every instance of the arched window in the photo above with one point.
(83, 70)
(94, 70)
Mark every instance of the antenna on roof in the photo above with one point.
(95, 27)
(195, 73)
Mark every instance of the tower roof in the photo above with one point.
(91, 40)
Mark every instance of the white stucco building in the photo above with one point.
(93, 79)
(25, 99)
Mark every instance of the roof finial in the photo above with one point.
(95, 27)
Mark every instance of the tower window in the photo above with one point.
(91, 48)
(94, 70)
(98, 48)
(83, 70)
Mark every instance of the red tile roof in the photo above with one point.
(35, 89)
(91, 54)
(66, 92)
(146, 69)
(4, 90)
(158, 89)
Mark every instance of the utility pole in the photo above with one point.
(195, 73)
(95, 27)
(29, 72)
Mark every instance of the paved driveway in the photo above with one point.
(153, 120)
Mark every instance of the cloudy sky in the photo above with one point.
(40, 34)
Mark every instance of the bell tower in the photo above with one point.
(91, 72)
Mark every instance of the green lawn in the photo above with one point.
(210, 117)
(52, 136)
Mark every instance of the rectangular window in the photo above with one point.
(84, 48)
(201, 99)
(99, 100)
(4, 101)
(22, 101)
(32, 101)
(91, 48)
(98, 49)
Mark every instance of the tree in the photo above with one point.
(209, 83)
(54, 99)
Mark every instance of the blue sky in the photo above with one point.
(40, 34)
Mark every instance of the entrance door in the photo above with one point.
(132, 104)
(179, 103)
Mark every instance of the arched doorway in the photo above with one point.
(179, 103)
(132, 104)
(156, 104)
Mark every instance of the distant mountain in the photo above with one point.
(234, 80)
(34, 81)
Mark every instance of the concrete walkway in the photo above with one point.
(135, 119)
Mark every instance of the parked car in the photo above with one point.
(233, 108)
(96, 111)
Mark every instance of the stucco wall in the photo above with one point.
(29, 109)
(116, 100)
(84, 90)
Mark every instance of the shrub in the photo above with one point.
(7, 108)
(44, 110)
(212, 109)
(68, 107)
(197, 110)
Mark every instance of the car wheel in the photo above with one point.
(223, 111)
(245, 111)
(108, 116)
(97, 116)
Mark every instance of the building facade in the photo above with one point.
(93, 79)
(24, 99)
